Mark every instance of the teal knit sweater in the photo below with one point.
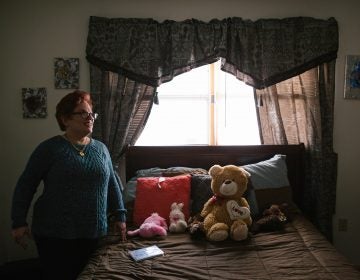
(78, 191)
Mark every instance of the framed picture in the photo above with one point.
(34, 103)
(352, 77)
(66, 73)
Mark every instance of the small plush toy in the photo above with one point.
(196, 226)
(227, 213)
(154, 225)
(177, 218)
(273, 219)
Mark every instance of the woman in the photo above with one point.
(80, 188)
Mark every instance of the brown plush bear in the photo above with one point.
(227, 213)
(273, 219)
(196, 226)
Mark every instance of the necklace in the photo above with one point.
(81, 151)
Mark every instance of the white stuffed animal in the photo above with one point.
(177, 218)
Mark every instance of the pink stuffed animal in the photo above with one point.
(152, 226)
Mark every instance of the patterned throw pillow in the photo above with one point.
(200, 192)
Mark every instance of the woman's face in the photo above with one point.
(76, 124)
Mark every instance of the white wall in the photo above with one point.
(33, 32)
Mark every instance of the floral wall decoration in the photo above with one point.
(34, 103)
(66, 73)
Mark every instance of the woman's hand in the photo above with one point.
(20, 234)
(120, 227)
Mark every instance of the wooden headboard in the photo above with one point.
(142, 157)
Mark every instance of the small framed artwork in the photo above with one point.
(352, 77)
(66, 73)
(34, 103)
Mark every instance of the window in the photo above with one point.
(205, 106)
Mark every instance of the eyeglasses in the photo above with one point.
(86, 115)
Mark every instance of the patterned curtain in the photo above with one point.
(301, 110)
(261, 52)
(124, 106)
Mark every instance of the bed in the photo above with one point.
(296, 251)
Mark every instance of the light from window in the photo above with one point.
(205, 106)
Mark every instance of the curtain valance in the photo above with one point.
(261, 52)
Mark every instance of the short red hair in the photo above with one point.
(67, 104)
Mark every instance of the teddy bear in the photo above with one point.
(227, 212)
(177, 218)
(273, 219)
(154, 225)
